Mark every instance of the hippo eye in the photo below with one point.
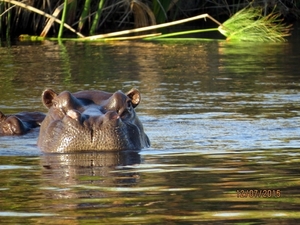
(125, 112)
(57, 106)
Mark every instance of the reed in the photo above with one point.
(143, 15)
(64, 14)
(8, 25)
(246, 25)
(152, 27)
(33, 9)
(97, 17)
(84, 14)
(161, 8)
(90, 16)
(250, 24)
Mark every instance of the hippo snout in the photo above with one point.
(93, 120)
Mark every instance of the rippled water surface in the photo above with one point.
(223, 120)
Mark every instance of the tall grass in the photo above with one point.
(84, 15)
(63, 20)
(98, 16)
(161, 9)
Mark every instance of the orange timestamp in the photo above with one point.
(258, 193)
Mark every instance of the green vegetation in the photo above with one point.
(249, 24)
(52, 18)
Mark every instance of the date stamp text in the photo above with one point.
(258, 193)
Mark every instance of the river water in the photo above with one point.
(223, 120)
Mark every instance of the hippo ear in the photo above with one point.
(2, 116)
(47, 97)
(135, 97)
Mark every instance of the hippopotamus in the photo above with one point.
(91, 120)
(20, 123)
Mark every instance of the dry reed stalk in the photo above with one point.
(143, 15)
(30, 8)
(38, 38)
(118, 33)
(51, 21)
(133, 37)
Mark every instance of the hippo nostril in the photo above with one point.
(74, 114)
(114, 117)
(111, 116)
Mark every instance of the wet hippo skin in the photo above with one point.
(91, 120)
(20, 123)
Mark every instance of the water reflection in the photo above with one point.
(86, 176)
(160, 188)
(221, 117)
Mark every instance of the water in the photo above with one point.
(222, 119)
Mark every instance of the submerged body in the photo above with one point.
(91, 120)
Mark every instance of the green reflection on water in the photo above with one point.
(160, 189)
(221, 118)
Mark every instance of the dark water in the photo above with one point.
(223, 120)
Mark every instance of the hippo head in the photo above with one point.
(19, 123)
(91, 121)
(11, 125)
